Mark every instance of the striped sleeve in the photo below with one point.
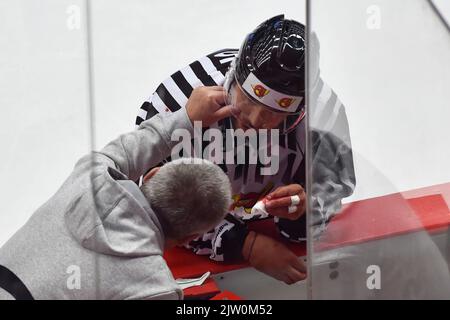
(328, 112)
(224, 242)
(333, 175)
(174, 92)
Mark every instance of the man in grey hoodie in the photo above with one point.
(101, 236)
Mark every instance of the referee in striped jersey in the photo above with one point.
(264, 82)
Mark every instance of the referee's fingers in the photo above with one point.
(284, 191)
(295, 275)
(285, 213)
(279, 202)
(299, 265)
(216, 88)
(223, 112)
(219, 96)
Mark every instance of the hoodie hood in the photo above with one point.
(111, 215)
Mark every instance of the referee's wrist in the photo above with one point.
(248, 244)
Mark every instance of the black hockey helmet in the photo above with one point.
(270, 66)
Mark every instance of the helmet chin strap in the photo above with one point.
(296, 122)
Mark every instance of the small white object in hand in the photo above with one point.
(259, 209)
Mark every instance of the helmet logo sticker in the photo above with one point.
(269, 96)
(260, 91)
(285, 102)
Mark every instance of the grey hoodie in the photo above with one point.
(97, 237)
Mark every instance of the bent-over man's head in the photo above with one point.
(190, 197)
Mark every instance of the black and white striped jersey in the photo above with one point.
(173, 93)
(224, 243)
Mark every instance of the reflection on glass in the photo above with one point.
(379, 202)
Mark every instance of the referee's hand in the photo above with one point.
(287, 202)
(208, 105)
(274, 259)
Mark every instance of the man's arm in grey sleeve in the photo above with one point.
(133, 153)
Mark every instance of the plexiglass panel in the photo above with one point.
(379, 181)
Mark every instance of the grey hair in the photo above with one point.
(189, 196)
